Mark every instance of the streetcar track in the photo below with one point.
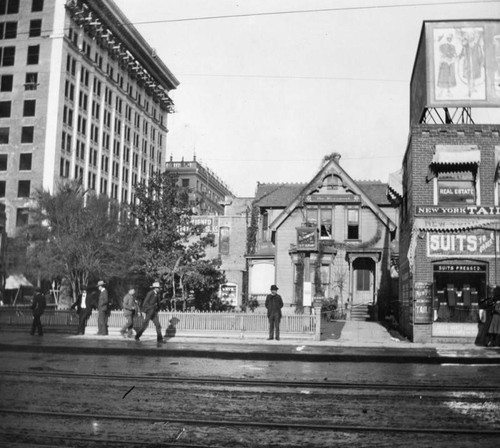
(193, 421)
(256, 382)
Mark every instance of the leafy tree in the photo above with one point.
(80, 236)
(174, 247)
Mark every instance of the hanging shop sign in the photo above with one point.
(423, 303)
(457, 210)
(473, 243)
(307, 238)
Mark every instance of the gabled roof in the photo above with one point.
(372, 200)
(277, 195)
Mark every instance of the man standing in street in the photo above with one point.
(130, 307)
(84, 308)
(38, 307)
(103, 308)
(274, 303)
(150, 307)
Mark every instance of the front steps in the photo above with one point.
(360, 312)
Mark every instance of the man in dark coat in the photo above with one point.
(38, 306)
(274, 303)
(84, 306)
(103, 308)
(150, 307)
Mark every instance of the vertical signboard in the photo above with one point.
(307, 297)
(229, 293)
(422, 303)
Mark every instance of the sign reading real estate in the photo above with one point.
(479, 243)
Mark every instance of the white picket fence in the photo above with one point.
(181, 322)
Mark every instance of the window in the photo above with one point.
(25, 162)
(9, 7)
(6, 82)
(23, 189)
(31, 81)
(363, 277)
(4, 136)
(29, 108)
(35, 28)
(33, 54)
(456, 187)
(8, 30)
(37, 6)
(352, 224)
(326, 223)
(22, 215)
(185, 183)
(3, 162)
(312, 216)
(2, 188)
(27, 133)
(7, 56)
(224, 240)
(5, 108)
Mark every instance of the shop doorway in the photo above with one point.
(458, 289)
(363, 281)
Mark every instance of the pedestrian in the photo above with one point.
(130, 308)
(274, 303)
(494, 328)
(150, 307)
(84, 305)
(38, 306)
(103, 308)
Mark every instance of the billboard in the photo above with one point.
(457, 65)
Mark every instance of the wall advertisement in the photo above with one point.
(479, 243)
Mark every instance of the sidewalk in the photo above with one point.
(349, 341)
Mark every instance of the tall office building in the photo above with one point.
(82, 96)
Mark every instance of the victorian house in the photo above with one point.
(331, 238)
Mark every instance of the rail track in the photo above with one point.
(244, 382)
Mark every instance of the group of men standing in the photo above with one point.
(88, 301)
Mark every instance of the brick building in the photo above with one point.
(230, 231)
(207, 191)
(329, 238)
(450, 211)
(82, 96)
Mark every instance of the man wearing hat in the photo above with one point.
(274, 303)
(84, 305)
(38, 307)
(150, 307)
(103, 309)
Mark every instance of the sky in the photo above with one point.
(270, 87)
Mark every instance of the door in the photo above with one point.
(363, 281)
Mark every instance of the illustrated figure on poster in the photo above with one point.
(472, 61)
(447, 70)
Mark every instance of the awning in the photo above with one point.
(16, 281)
(456, 155)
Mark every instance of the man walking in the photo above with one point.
(274, 303)
(150, 307)
(38, 307)
(103, 308)
(130, 307)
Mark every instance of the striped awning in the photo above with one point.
(456, 155)
(395, 184)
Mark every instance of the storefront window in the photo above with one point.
(458, 291)
(456, 187)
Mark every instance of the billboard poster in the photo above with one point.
(479, 243)
(229, 293)
(463, 66)
(423, 303)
